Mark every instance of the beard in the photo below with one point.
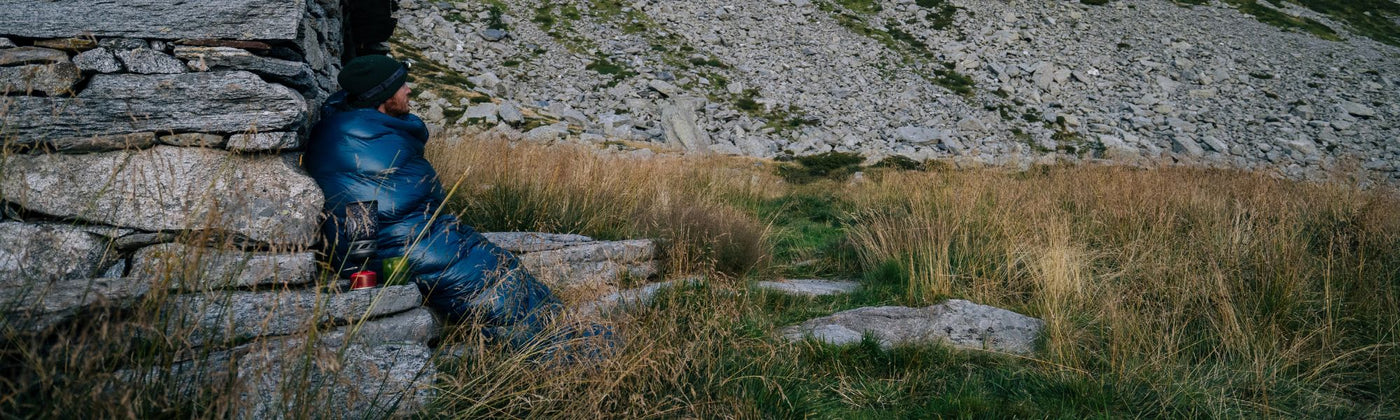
(396, 108)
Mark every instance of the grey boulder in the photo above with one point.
(958, 323)
(264, 198)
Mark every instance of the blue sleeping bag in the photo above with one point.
(359, 155)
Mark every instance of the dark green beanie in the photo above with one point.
(372, 79)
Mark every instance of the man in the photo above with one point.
(369, 148)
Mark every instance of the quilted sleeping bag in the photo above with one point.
(359, 155)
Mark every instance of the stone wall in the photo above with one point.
(152, 146)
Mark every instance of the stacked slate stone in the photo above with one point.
(150, 149)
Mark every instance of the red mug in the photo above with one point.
(364, 280)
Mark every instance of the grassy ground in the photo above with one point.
(1167, 293)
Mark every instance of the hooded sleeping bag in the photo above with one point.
(360, 155)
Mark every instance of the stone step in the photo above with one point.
(958, 323)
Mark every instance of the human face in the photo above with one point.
(397, 106)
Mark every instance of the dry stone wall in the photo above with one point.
(150, 160)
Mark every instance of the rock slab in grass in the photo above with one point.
(32, 255)
(265, 198)
(155, 19)
(35, 307)
(811, 287)
(222, 316)
(958, 323)
(210, 102)
(196, 268)
(593, 262)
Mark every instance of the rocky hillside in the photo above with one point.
(999, 83)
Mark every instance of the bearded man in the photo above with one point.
(368, 148)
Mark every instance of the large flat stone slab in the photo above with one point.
(156, 19)
(196, 268)
(223, 316)
(39, 253)
(815, 287)
(593, 262)
(265, 198)
(958, 323)
(35, 307)
(210, 102)
(527, 242)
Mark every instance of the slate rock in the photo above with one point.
(264, 142)
(593, 262)
(213, 102)
(49, 79)
(31, 55)
(6, 43)
(1186, 145)
(195, 268)
(918, 135)
(99, 60)
(154, 19)
(510, 113)
(33, 254)
(480, 113)
(122, 44)
(133, 141)
(293, 73)
(494, 35)
(38, 306)
(680, 123)
(228, 316)
(958, 323)
(264, 198)
(1358, 110)
(194, 140)
(526, 242)
(149, 61)
(811, 287)
(378, 369)
(71, 44)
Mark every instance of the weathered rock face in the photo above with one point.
(593, 263)
(958, 323)
(36, 254)
(380, 368)
(266, 199)
(37, 306)
(155, 19)
(213, 102)
(49, 79)
(198, 269)
(231, 316)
